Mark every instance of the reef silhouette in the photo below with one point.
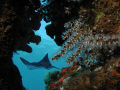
(88, 29)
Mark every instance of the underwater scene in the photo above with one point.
(60, 45)
(33, 79)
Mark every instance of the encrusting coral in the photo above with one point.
(96, 30)
(105, 77)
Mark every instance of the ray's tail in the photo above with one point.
(56, 67)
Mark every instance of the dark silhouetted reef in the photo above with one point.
(18, 19)
(87, 29)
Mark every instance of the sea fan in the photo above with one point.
(86, 38)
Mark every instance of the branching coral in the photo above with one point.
(86, 35)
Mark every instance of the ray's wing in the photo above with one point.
(24, 61)
(56, 67)
(45, 61)
(28, 64)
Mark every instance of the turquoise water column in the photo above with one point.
(34, 79)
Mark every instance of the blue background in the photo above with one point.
(34, 79)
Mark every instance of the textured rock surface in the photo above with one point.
(17, 21)
(50, 77)
(101, 78)
(91, 29)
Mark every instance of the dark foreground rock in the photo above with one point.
(17, 21)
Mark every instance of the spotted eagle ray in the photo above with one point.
(44, 63)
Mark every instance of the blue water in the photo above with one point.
(34, 79)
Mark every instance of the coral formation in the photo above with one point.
(94, 31)
(104, 78)
(50, 77)
(17, 21)
(91, 32)
(58, 12)
(63, 77)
